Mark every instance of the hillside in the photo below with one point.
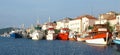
(6, 30)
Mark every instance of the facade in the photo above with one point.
(75, 25)
(118, 18)
(80, 24)
(48, 25)
(63, 23)
(108, 17)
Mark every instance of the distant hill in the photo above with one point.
(6, 30)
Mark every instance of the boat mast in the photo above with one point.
(49, 19)
(38, 22)
(23, 26)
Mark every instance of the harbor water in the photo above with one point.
(20, 46)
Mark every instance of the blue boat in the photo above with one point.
(14, 34)
(117, 43)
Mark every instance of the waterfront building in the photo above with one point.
(81, 23)
(63, 23)
(107, 17)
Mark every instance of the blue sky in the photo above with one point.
(17, 12)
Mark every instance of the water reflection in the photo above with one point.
(55, 47)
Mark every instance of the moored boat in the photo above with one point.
(101, 37)
(50, 34)
(116, 36)
(117, 43)
(72, 36)
(37, 35)
(82, 37)
(64, 33)
(15, 34)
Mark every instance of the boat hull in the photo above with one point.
(15, 35)
(37, 35)
(72, 39)
(50, 37)
(63, 36)
(117, 43)
(96, 41)
(81, 39)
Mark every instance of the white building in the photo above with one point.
(63, 23)
(118, 18)
(75, 25)
(80, 24)
(107, 17)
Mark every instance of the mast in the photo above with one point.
(23, 26)
(49, 19)
(38, 22)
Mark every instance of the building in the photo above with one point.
(118, 18)
(49, 25)
(63, 23)
(107, 17)
(81, 23)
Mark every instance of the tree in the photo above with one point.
(90, 27)
(110, 28)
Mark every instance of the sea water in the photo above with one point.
(21, 46)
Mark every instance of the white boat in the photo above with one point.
(96, 41)
(51, 34)
(82, 37)
(37, 35)
(103, 41)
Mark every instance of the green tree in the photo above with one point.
(111, 28)
(90, 27)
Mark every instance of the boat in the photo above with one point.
(101, 35)
(50, 34)
(82, 37)
(64, 33)
(116, 36)
(15, 34)
(37, 33)
(98, 40)
(72, 36)
(117, 43)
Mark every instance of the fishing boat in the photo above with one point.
(50, 34)
(98, 39)
(100, 36)
(64, 33)
(37, 35)
(15, 34)
(117, 43)
(82, 37)
(116, 36)
(72, 36)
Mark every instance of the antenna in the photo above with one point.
(49, 19)
(23, 26)
(38, 20)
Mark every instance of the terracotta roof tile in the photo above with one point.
(88, 16)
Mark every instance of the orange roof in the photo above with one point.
(88, 16)
(108, 16)
(65, 28)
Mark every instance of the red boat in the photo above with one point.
(99, 35)
(64, 33)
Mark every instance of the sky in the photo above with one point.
(27, 12)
